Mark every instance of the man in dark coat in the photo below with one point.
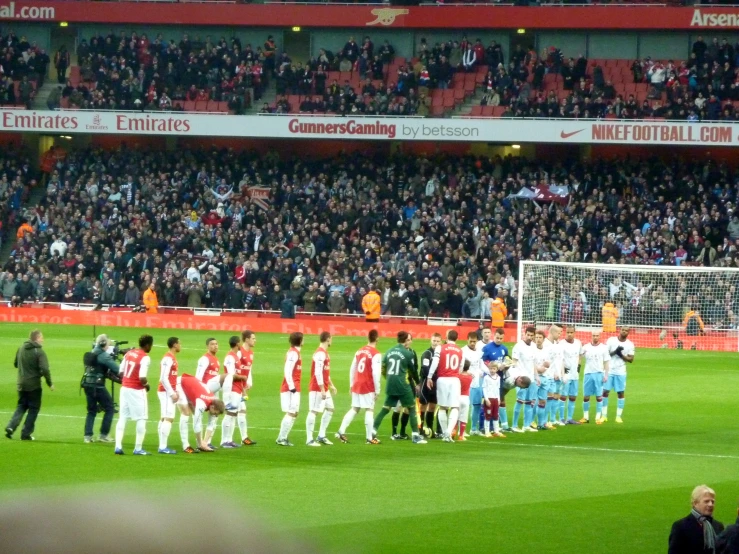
(696, 533)
(32, 365)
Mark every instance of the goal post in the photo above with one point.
(666, 307)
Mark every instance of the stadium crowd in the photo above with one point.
(134, 71)
(433, 236)
(703, 87)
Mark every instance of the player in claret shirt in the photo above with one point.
(447, 360)
(364, 381)
(290, 390)
(132, 400)
(167, 394)
(320, 390)
(195, 399)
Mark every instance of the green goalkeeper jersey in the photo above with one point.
(399, 365)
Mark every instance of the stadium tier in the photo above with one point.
(439, 236)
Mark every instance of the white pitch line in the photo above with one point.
(621, 450)
(498, 443)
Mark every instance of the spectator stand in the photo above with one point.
(438, 236)
(704, 88)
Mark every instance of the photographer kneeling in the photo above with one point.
(99, 365)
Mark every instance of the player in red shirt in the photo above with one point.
(195, 399)
(236, 377)
(132, 401)
(320, 390)
(364, 381)
(448, 360)
(465, 382)
(209, 368)
(290, 390)
(167, 394)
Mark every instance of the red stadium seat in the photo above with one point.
(488, 111)
(189, 106)
(477, 110)
(201, 105)
(458, 95)
(212, 106)
(179, 104)
(223, 107)
(498, 111)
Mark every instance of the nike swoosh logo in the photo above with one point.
(568, 135)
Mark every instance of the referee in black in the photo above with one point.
(32, 364)
(427, 396)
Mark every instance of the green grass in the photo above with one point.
(579, 489)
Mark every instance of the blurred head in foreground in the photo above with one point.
(123, 523)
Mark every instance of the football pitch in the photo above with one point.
(585, 489)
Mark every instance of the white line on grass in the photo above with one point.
(621, 450)
(498, 443)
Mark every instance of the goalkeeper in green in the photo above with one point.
(399, 366)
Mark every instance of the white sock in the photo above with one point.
(164, 428)
(184, 431)
(227, 428)
(140, 433)
(443, 420)
(619, 411)
(348, 418)
(120, 427)
(284, 428)
(241, 419)
(228, 383)
(453, 417)
(159, 431)
(310, 423)
(487, 426)
(325, 420)
(289, 427)
(369, 422)
(496, 426)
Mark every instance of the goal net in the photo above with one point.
(666, 307)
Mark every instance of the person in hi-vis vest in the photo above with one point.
(371, 304)
(610, 317)
(498, 311)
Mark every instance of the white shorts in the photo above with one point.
(133, 404)
(234, 401)
(168, 407)
(448, 391)
(318, 404)
(366, 401)
(182, 400)
(290, 402)
(214, 384)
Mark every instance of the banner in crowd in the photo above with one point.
(510, 131)
(373, 16)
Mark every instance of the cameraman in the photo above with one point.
(99, 364)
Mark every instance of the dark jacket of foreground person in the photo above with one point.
(32, 364)
(686, 536)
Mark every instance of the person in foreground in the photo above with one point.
(32, 364)
(728, 541)
(696, 533)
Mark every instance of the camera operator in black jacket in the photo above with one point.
(99, 365)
